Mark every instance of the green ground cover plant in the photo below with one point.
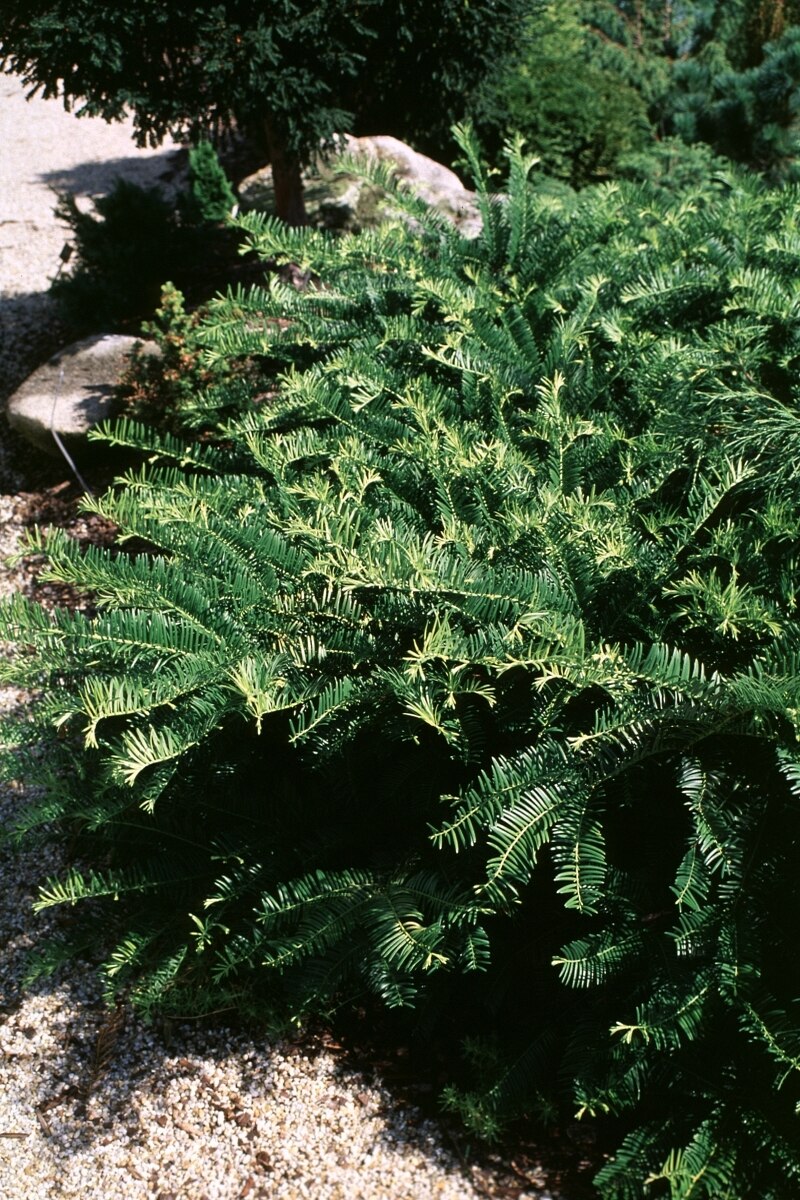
(461, 668)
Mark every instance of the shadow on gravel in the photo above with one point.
(103, 1080)
(165, 170)
(30, 328)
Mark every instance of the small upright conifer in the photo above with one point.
(212, 197)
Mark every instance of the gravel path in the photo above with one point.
(46, 150)
(210, 1114)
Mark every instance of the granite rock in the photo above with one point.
(336, 199)
(72, 392)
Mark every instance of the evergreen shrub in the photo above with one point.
(579, 120)
(124, 252)
(464, 672)
(139, 238)
(749, 114)
(210, 194)
(570, 96)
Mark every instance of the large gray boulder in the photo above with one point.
(338, 200)
(71, 392)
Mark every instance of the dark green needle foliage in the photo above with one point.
(569, 96)
(750, 115)
(462, 668)
(190, 67)
(599, 84)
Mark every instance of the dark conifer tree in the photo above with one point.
(293, 73)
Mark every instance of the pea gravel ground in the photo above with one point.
(208, 1112)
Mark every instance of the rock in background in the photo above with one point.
(337, 200)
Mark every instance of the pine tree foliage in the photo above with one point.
(464, 667)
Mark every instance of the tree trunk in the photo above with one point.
(286, 176)
(765, 21)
